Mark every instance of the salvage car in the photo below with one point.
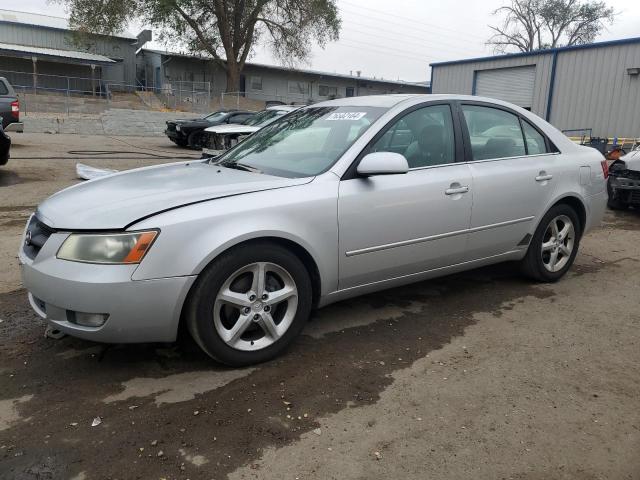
(188, 132)
(9, 108)
(623, 185)
(217, 139)
(5, 145)
(331, 201)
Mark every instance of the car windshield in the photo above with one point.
(264, 118)
(305, 143)
(215, 116)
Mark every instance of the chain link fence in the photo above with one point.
(43, 93)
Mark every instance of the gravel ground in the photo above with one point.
(477, 375)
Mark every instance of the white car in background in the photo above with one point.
(219, 138)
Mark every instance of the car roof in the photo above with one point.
(389, 101)
(286, 108)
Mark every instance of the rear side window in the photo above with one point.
(494, 133)
(3, 88)
(535, 141)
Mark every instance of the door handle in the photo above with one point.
(456, 190)
(543, 177)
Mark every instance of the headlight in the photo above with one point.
(113, 248)
(178, 128)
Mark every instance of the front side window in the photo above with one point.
(216, 116)
(304, 143)
(425, 137)
(494, 133)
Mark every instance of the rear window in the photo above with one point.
(3, 88)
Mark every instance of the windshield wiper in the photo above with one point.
(242, 166)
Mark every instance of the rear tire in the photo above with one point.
(249, 304)
(181, 143)
(553, 249)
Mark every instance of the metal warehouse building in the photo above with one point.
(160, 71)
(33, 44)
(594, 86)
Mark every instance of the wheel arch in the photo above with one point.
(578, 205)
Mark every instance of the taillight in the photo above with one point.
(15, 109)
(605, 169)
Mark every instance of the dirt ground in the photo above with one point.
(480, 375)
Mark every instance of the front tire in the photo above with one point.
(554, 245)
(249, 304)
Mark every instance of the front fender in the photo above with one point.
(193, 236)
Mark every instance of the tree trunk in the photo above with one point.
(233, 77)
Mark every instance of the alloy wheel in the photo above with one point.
(558, 243)
(255, 306)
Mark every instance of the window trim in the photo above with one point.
(550, 146)
(459, 154)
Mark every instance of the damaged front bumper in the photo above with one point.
(624, 186)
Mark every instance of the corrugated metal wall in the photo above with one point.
(458, 78)
(112, 47)
(594, 90)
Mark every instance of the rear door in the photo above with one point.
(515, 172)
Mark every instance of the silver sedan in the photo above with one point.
(334, 200)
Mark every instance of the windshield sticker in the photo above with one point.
(346, 116)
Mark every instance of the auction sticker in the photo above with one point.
(346, 116)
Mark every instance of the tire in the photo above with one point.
(195, 140)
(538, 264)
(614, 203)
(181, 143)
(217, 323)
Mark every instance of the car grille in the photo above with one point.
(36, 236)
(634, 197)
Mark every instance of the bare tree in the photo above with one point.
(530, 25)
(227, 30)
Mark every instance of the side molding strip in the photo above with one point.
(440, 236)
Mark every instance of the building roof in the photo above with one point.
(424, 85)
(54, 54)
(45, 21)
(546, 51)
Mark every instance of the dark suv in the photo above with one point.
(9, 108)
(188, 133)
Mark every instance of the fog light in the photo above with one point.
(87, 319)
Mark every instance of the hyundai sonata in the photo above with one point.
(331, 201)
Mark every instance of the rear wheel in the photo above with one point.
(249, 304)
(554, 245)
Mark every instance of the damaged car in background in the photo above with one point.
(624, 181)
(220, 138)
(188, 132)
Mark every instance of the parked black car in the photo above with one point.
(9, 107)
(5, 144)
(188, 132)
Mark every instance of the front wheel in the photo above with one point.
(249, 304)
(554, 245)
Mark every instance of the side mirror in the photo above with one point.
(382, 163)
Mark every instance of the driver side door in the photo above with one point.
(393, 226)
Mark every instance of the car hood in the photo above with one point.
(116, 201)
(632, 160)
(233, 128)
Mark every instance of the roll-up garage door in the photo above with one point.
(514, 85)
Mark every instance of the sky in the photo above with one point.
(397, 39)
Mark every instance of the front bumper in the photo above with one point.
(138, 311)
(626, 189)
(15, 127)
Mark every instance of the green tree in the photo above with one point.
(529, 25)
(227, 30)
